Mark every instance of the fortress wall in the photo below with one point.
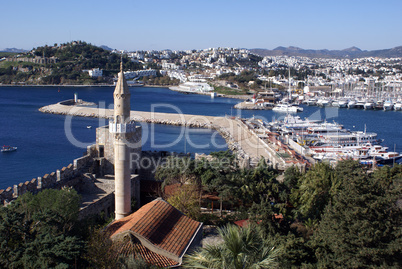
(82, 162)
(67, 176)
(105, 205)
(6, 195)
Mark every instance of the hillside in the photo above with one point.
(64, 65)
(352, 52)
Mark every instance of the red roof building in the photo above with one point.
(158, 232)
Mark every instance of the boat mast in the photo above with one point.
(289, 90)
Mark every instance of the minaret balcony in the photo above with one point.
(121, 128)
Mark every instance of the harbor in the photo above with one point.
(32, 159)
(239, 134)
(283, 143)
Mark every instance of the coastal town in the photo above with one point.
(367, 82)
(158, 208)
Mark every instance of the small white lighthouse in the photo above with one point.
(121, 126)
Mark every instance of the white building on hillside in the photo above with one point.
(95, 72)
(139, 73)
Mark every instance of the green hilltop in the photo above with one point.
(63, 64)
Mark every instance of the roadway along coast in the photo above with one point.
(237, 135)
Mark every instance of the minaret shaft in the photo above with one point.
(122, 180)
(121, 150)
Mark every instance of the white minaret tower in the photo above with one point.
(120, 126)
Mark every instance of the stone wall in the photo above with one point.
(67, 176)
(104, 204)
(37, 59)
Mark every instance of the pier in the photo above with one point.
(240, 137)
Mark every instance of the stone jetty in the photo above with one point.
(239, 138)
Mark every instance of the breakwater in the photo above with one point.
(238, 138)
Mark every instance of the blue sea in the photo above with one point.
(44, 144)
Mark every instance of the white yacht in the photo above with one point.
(287, 108)
(311, 102)
(346, 139)
(388, 105)
(368, 105)
(360, 104)
(323, 102)
(351, 104)
(342, 103)
(398, 106)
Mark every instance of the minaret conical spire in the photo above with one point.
(122, 97)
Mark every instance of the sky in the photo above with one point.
(191, 24)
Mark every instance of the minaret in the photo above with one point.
(120, 126)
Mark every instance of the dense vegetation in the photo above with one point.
(341, 217)
(326, 217)
(40, 231)
(43, 231)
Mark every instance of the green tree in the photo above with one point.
(186, 199)
(241, 248)
(314, 191)
(362, 228)
(37, 231)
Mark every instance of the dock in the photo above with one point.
(240, 138)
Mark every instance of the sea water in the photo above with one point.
(48, 142)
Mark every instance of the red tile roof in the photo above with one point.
(161, 224)
(139, 251)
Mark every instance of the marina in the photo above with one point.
(331, 142)
(370, 95)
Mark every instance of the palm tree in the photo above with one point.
(243, 248)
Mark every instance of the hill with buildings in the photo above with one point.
(69, 63)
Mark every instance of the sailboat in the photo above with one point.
(286, 107)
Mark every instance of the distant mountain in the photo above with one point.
(106, 48)
(14, 50)
(352, 52)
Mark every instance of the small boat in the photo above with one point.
(342, 103)
(379, 105)
(323, 102)
(351, 104)
(89, 127)
(398, 106)
(311, 102)
(388, 105)
(368, 105)
(360, 104)
(8, 149)
(388, 157)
